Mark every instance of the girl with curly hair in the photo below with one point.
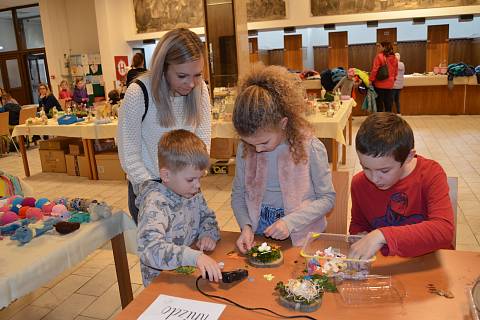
(283, 186)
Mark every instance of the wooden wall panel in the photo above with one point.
(276, 57)
(253, 50)
(476, 50)
(472, 101)
(361, 56)
(437, 46)
(293, 59)
(432, 100)
(320, 58)
(387, 34)
(413, 55)
(338, 49)
(460, 50)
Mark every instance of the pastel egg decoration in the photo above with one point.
(47, 207)
(34, 213)
(28, 202)
(22, 212)
(58, 209)
(6, 207)
(8, 217)
(40, 202)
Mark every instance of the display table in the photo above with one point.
(86, 131)
(445, 269)
(333, 128)
(26, 268)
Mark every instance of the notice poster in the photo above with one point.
(121, 67)
(173, 308)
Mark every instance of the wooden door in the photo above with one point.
(437, 46)
(15, 78)
(253, 50)
(293, 59)
(389, 35)
(338, 49)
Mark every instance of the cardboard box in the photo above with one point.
(221, 148)
(108, 166)
(57, 143)
(77, 165)
(223, 167)
(231, 167)
(75, 149)
(53, 161)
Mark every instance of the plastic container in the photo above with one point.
(473, 294)
(373, 289)
(353, 268)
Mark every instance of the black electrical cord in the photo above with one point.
(248, 308)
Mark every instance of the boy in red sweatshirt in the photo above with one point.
(400, 200)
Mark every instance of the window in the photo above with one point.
(7, 35)
(31, 26)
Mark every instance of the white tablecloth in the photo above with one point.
(26, 268)
(78, 130)
(323, 126)
(437, 80)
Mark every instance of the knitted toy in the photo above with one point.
(26, 233)
(80, 217)
(40, 202)
(34, 213)
(99, 210)
(79, 204)
(28, 202)
(22, 212)
(58, 209)
(47, 207)
(10, 228)
(8, 217)
(65, 227)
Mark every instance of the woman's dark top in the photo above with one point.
(48, 102)
(133, 73)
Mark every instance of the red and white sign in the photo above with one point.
(121, 67)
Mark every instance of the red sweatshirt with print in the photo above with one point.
(415, 215)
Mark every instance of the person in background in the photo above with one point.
(384, 87)
(173, 213)
(138, 62)
(65, 92)
(11, 106)
(80, 94)
(47, 100)
(400, 201)
(283, 185)
(398, 85)
(177, 98)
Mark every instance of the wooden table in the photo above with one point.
(446, 269)
(88, 132)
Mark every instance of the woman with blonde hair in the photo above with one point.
(172, 95)
(47, 100)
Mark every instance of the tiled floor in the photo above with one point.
(89, 290)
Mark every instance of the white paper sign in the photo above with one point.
(173, 308)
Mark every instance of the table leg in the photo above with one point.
(350, 130)
(87, 154)
(121, 267)
(334, 154)
(23, 152)
(344, 147)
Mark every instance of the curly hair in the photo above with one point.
(267, 95)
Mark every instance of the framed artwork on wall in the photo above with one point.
(162, 15)
(263, 10)
(336, 7)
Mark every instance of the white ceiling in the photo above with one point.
(15, 3)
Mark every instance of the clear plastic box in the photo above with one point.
(373, 289)
(473, 294)
(318, 242)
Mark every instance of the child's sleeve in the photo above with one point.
(321, 180)
(432, 234)
(153, 248)
(238, 202)
(359, 222)
(208, 222)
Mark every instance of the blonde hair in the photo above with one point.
(179, 149)
(177, 46)
(46, 87)
(64, 82)
(267, 95)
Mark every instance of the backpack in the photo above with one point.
(145, 96)
(382, 72)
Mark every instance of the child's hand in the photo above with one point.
(206, 243)
(368, 246)
(210, 266)
(245, 241)
(278, 230)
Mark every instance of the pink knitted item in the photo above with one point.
(22, 212)
(8, 217)
(58, 209)
(34, 213)
(47, 208)
(28, 202)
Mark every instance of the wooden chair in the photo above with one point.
(453, 193)
(26, 113)
(5, 129)
(337, 218)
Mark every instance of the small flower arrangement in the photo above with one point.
(265, 253)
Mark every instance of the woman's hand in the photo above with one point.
(245, 241)
(278, 230)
